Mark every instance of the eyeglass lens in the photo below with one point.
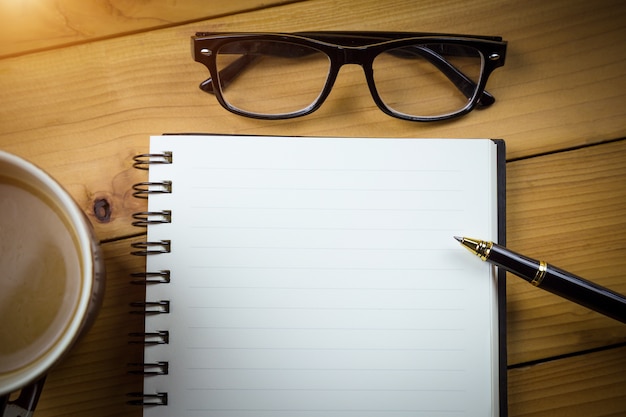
(277, 78)
(427, 80)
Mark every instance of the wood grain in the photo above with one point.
(588, 385)
(82, 111)
(29, 25)
(97, 103)
(551, 94)
(570, 210)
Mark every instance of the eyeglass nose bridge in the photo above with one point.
(351, 55)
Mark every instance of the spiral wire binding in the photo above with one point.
(144, 189)
(160, 337)
(151, 248)
(158, 368)
(160, 398)
(145, 278)
(144, 160)
(151, 307)
(142, 219)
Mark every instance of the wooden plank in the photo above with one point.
(93, 380)
(562, 86)
(27, 26)
(568, 209)
(583, 386)
(83, 112)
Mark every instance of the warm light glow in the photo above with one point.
(33, 24)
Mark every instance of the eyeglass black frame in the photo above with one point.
(351, 47)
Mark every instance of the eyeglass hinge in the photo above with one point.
(494, 57)
(206, 52)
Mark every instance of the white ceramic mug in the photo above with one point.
(51, 280)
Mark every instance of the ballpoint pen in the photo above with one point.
(550, 278)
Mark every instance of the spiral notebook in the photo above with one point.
(319, 277)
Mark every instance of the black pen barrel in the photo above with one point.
(585, 293)
(561, 283)
(513, 262)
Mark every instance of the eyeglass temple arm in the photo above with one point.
(460, 80)
(229, 73)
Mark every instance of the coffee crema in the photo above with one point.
(40, 275)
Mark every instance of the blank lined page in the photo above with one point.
(319, 277)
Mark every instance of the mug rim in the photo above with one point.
(79, 228)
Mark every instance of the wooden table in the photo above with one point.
(85, 83)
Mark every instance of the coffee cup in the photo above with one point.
(51, 280)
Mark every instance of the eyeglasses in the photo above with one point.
(413, 76)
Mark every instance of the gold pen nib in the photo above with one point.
(478, 247)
